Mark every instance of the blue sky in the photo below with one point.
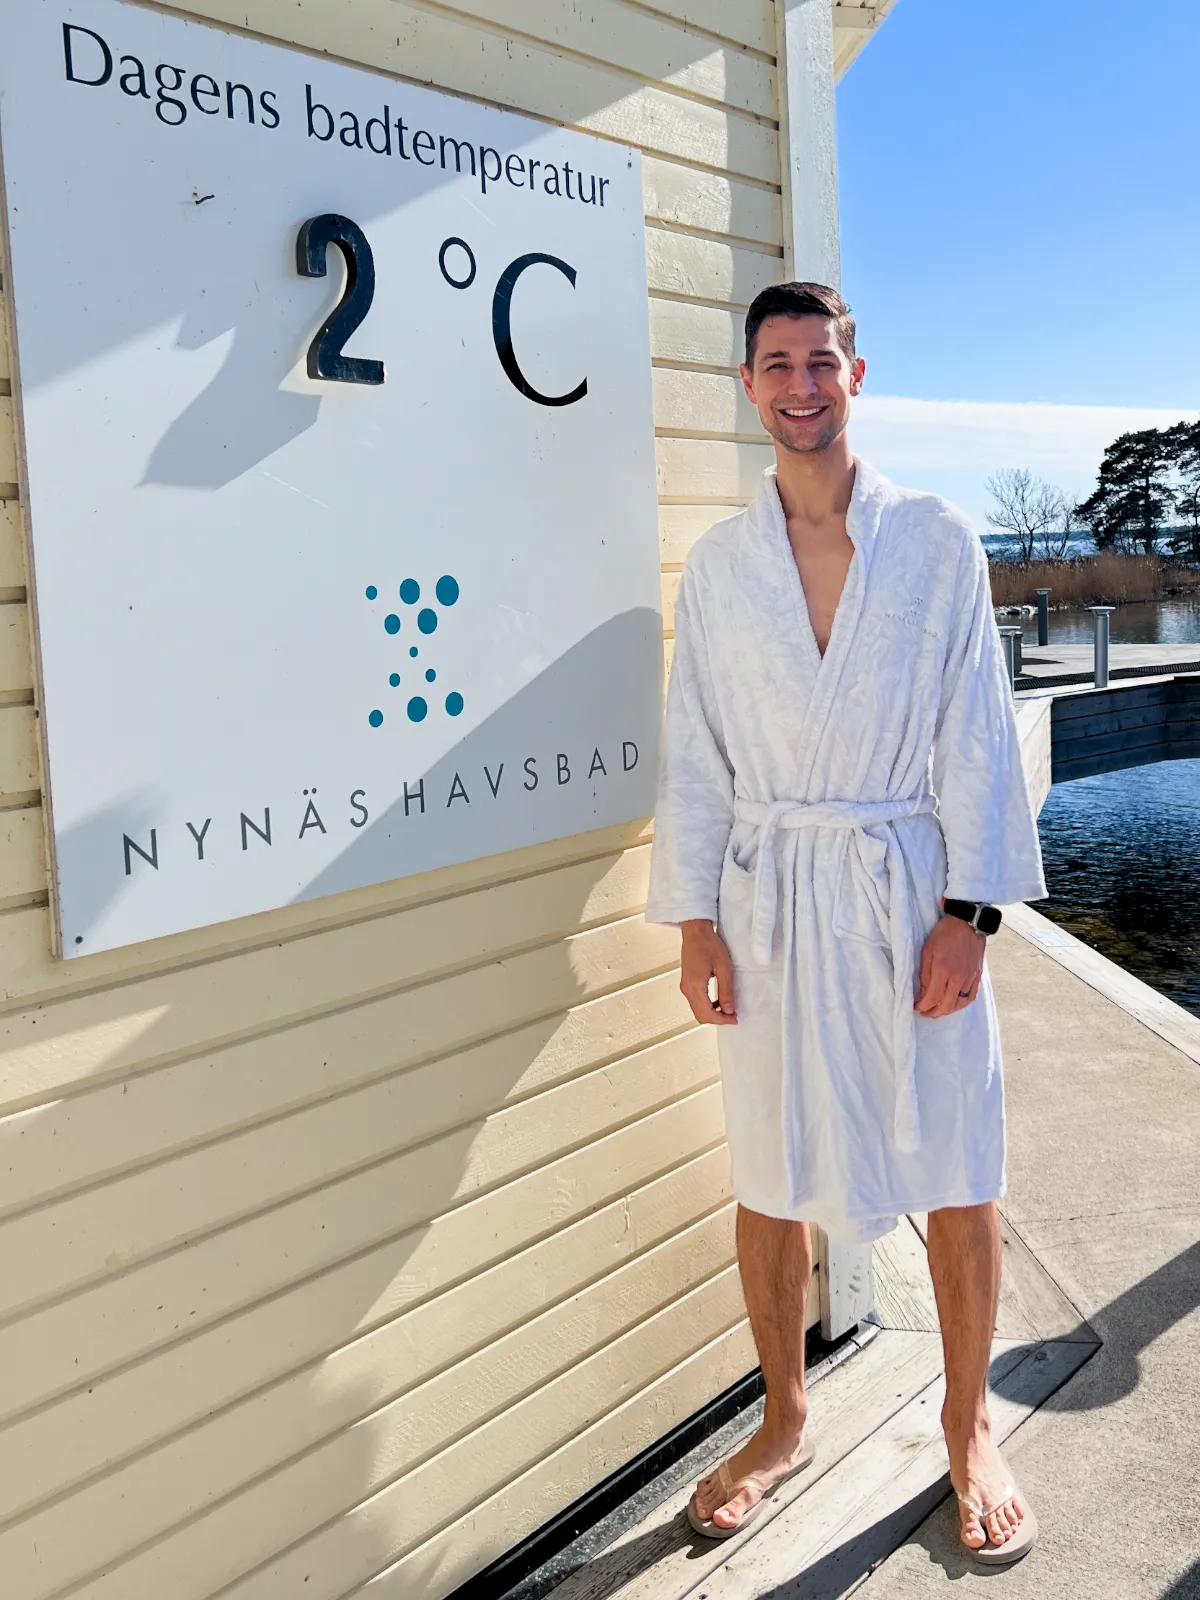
(1021, 219)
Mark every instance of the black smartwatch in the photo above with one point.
(984, 919)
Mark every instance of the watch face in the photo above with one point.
(988, 920)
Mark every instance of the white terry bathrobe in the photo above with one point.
(817, 810)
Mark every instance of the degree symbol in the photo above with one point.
(457, 283)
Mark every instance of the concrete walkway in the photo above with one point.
(1053, 659)
(1104, 1171)
(1096, 1364)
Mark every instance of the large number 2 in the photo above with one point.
(325, 354)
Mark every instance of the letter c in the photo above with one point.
(502, 329)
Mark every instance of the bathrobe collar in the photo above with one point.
(870, 498)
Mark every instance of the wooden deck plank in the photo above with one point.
(903, 1289)
(828, 1539)
(660, 1559)
(1031, 1304)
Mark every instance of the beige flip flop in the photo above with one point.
(708, 1529)
(1001, 1555)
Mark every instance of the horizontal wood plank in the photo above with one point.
(379, 1515)
(310, 1334)
(12, 553)
(16, 661)
(749, 22)
(656, 48)
(704, 402)
(20, 767)
(451, 1556)
(680, 526)
(707, 269)
(30, 974)
(8, 441)
(710, 202)
(87, 1236)
(5, 357)
(670, 588)
(332, 1411)
(702, 336)
(426, 1043)
(122, 1318)
(44, 1050)
(704, 470)
(22, 853)
(450, 53)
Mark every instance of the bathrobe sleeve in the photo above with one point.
(991, 834)
(695, 797)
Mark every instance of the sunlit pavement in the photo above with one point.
(1104, 1172)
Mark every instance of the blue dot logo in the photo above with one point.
(447, 592)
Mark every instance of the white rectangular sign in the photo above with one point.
(320, 603)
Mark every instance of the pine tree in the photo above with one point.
(1186, 447)
(1136, 490)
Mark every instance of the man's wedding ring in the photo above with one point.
(963, 993)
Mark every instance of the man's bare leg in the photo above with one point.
(964, 1261)
(775, 1261)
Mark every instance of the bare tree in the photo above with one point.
(1027, 507)
(1056, 536)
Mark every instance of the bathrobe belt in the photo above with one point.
(859, 816)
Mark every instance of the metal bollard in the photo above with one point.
(1043, 605)
(1100, 616)
(1010, 638)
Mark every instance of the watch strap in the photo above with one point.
(984, 919)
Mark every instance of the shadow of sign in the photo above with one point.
(488, 794)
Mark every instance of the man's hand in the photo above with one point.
(951, 968)
(705, 957)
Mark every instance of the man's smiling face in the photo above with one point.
(802, 381)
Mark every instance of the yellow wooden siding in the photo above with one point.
(348, 1243)
(12, 557)
(20, 776)
(8, 442)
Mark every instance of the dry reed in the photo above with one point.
(1100, 580)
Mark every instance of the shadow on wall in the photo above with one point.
(484, 777)
(362, 1200)
(238, 420)
(481, 798)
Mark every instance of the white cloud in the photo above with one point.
(951, 446)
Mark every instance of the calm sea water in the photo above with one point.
(1122, 855)
(1159, 622)
(1122, 851)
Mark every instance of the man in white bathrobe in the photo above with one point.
(842, 807)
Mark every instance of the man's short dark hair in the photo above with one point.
(800, 300)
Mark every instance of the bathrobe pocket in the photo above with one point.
(735, 898)
(860, 907)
